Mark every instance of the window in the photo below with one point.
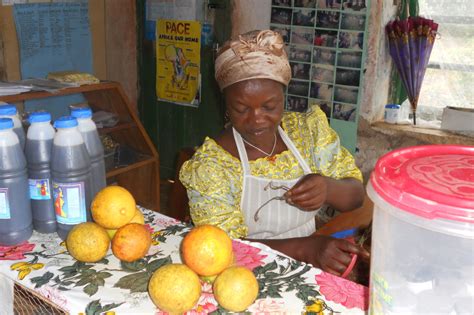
(450, 74)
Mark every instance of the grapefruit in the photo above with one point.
(207, 250)
(131, 242)
(113, 207)
(137, 218)
(87, 242)
(236, 288)
(174, 288)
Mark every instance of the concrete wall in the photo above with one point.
(249, 15)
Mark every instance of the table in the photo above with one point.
(43, 266)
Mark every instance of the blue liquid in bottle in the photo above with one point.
(71, 174)
(94, 146)
(16, 223)
(39, 143)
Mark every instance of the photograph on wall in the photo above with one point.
(344, 112)
(325, 38)
(281, 16)
(321, 91)
(328, 19)
(299, 53)
(300, 70)
(283, 31)
(351, 59)
(178, 60)
(299, 88)
(282, 3)
(324, 41)
(351, 40)
(353, 22)
(303, 17)
(354, 5)
(302, 36)
(329, 4)
(305, 3)
(297, 104)
(347, 77)
(345, 94)
(323, 73)
(324, 56)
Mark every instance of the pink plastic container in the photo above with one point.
(423, 231)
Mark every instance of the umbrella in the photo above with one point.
(411, 42)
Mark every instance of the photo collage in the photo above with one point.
(324, 42)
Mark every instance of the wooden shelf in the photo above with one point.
(119, 126)
(142, 177)
(120, 170)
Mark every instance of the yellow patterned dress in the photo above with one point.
(213, 177)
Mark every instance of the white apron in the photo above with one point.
(277, 219)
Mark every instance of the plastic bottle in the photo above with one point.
(9, 111)
(16, 223)
(71, 176)
(39, 142)
(94, 146)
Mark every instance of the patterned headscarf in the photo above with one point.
(253, 55)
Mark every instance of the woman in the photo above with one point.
(267, 177)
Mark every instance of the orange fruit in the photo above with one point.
(235, 289)
(87, 242)
(207, 250)
(137, 218)
(113, 207)
(131, 242)
(174, 288)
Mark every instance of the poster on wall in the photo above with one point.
(326, 45)
(178, 59)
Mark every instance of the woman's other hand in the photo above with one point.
(330, 254)
(309, 193)
(334, 255)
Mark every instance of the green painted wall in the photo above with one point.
(172, 126)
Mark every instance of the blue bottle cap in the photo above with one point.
(7, 109)
(6, 123)
(65, 122)
(344, 233)
(83, 112)
(39, 117)
(396, 106)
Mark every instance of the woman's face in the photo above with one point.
(255, 108)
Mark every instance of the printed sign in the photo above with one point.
(178, 61)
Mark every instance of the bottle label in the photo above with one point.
(70, 202)
(39, 189)
(4, 204)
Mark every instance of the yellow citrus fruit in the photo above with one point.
(88, 242)
(113, 207)
(207, 250)
(137, 218)
(236, 288)
(174, 288)
(131, 242)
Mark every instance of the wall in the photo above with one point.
(249, 15)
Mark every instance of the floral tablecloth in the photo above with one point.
(286, 285)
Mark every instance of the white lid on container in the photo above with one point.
(433, 182)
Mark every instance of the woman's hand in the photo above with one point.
(330, 254)
(313, 190)
(309, 193)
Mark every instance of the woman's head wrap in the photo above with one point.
(253, 55)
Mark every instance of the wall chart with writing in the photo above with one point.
(325, 42)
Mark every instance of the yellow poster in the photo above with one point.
(178, 47)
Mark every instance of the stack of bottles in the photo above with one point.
(47, 183)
